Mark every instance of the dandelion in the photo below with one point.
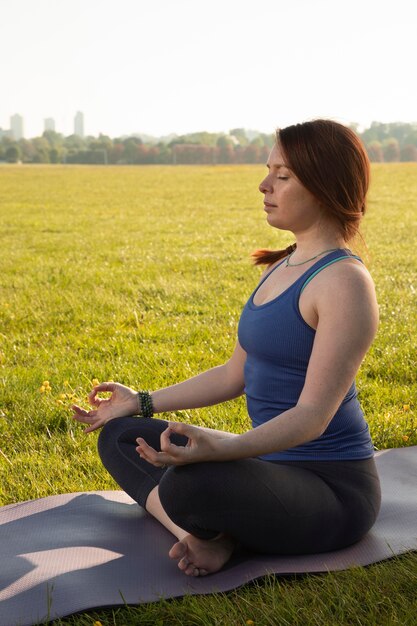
(406, 437)
(250, 622)
(45, 387)
(95, 382)
(406, 407)
(97, 624)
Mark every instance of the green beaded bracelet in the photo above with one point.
(145, 404)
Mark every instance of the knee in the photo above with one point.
(110, 435)
(182, 488)
(189, 500)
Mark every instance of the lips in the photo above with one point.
(268, 203)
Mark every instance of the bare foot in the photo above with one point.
(199, 557)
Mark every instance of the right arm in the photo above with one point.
(216, 385)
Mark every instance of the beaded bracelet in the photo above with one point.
(145, 404)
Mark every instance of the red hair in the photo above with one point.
(331, 162)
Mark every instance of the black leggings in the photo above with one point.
(296, 507)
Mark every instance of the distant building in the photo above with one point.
(79, 124)
(49, 123)
(16, 126)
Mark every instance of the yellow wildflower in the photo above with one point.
(97, 624)
(250, 622)
(42, 388)
(95, 382)
(46, 383)
(406, 407)
(406, 437)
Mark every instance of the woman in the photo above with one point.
(303, 479)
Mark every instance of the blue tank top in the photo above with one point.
(278, 343)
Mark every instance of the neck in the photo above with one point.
(308, 246)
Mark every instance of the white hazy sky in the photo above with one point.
(162, 66)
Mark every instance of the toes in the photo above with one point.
(178, 550)
(183, 564)
(191, 570)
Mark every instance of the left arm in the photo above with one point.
(347, 313)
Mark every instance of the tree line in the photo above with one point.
(384, 142)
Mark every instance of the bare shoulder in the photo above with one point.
(343, 292)
(347, 278)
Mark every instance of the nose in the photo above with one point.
(266, 185)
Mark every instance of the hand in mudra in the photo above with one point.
(123, 401)
(201, 446)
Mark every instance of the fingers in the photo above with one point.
(102, 387)
(87, 417)
(94, 427)
(82, 415)
(159, 459)
(182, 429)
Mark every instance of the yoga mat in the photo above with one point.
(79, 551)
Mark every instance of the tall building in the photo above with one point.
(79, 124)
(16, 126)
(49, 123)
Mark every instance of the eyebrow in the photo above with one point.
(278, 166)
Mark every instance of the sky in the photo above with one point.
(182, 66)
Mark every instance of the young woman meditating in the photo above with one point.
(303, 478)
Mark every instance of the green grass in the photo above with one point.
(139, 274)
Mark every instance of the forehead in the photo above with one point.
(276, 158)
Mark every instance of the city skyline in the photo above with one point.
(49, 124)
(181, 67)
(16, 126)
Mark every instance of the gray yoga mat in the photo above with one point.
(73, 552)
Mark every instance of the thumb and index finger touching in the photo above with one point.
(102, 387)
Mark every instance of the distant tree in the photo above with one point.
(12, 154)
(268, 140)
(53, 138)
(203, 138)
(54, 155)
(42, 147)
(258, 142)
(240, 135)
(408, 153)
(252, 153)
(391, 149)
(375, 153)
(74, 142)
(115, 154)
(264, 154)
(27, 149)
(130, 151)
(165, 153)
(193, 153)
(411, 136)
(225, 152)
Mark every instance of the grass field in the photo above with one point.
(139, 274)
